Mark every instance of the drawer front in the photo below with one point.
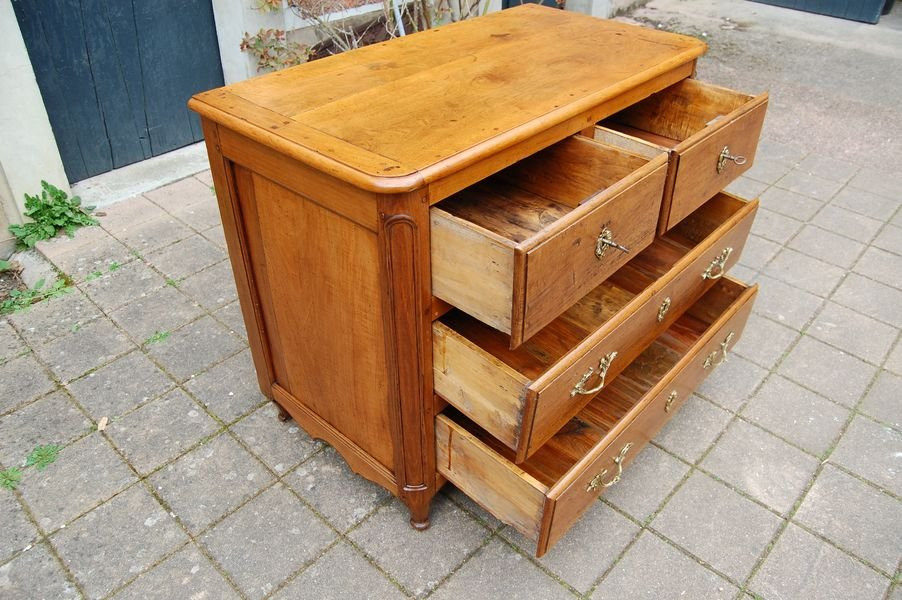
(571, 497)
(704, 163)
(545, 512)
(555, 400)
(563, 268)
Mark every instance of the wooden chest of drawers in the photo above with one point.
(492, 253)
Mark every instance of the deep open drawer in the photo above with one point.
(523, 396)
(543, 496)
(710, 132)
(519, 248)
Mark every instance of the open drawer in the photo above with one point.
(523, 396)
(519, 248)
(543, 496)
(710, 132)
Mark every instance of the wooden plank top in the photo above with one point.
(393, 116)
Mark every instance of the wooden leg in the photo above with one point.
(419, 505)
(283, 414)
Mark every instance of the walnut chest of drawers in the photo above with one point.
(491, 253)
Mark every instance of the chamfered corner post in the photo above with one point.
(407, 302)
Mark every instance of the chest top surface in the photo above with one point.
(388, 116)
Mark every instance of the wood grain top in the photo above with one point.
(395, 115)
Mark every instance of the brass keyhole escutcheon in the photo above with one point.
(606, 240)
(598, 480)
(603, 365)
(662, 310)
(717, 268)
(725, 156)
(669, 403)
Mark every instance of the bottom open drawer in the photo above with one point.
(543, 496)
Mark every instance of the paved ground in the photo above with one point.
(778, 480)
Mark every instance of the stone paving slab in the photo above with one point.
(779, 479)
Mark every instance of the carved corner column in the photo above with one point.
(407, 303)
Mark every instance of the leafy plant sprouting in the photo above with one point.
(51, 212)
(10, 478)
(158, 336)
(273, 50)
(5, 265)
(22, 299)
(43, 456)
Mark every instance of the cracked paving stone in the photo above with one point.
(115, 288)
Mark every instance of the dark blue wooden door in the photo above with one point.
(115, 75)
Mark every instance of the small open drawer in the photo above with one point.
(519, 248)
(523, 396)
(710, 132)
(543, 496)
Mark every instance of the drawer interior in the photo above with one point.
(677, 113)
(574, 441)
(521, 201)
(546, 347)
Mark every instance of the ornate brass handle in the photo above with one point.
(618, 460)
(673, 396)
(711, 358)
(725, 156)
(603, 365)
(662, 310)
(716, 269)
(605, 240)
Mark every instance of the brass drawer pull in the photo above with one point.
(606, 239)
(711, 358)
(725, 156)
(669, 403)
(618, 460)
(662, 310)
(716, 269)
(603, 365)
